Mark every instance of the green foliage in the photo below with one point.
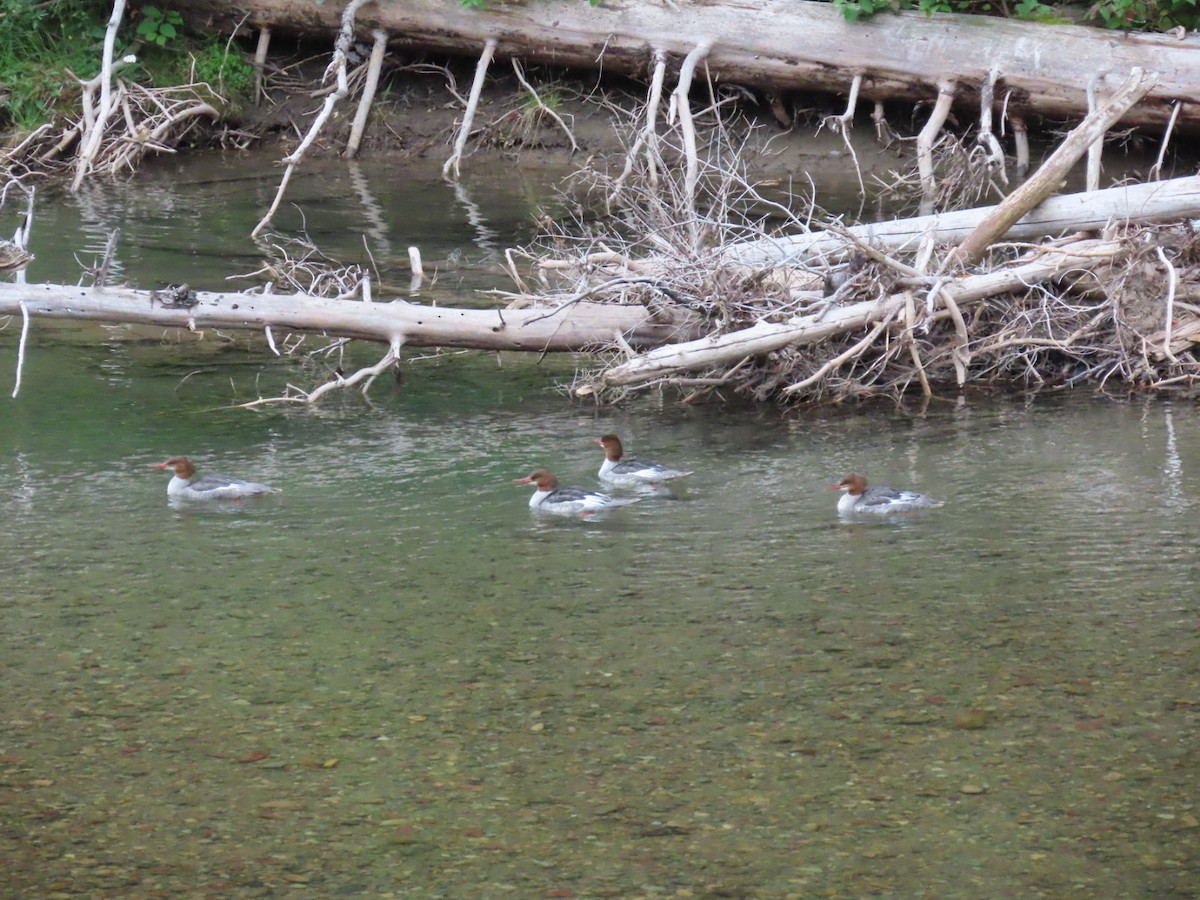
(1146, 15)
(223, 67)
(40, 45)
(158, 27)
(45, 48)
(1131, 15)
(1032, 10)
(226, 71)
(853, 10)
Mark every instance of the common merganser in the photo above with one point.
(185, 485)
(879, 499)
(552, 498)
(631, 471)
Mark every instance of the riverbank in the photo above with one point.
(593, 122)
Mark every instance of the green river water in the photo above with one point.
(394, 680)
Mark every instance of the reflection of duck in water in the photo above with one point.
(631, 471)
(879, 499)
(185, 485)
(13, 256)
(552, 498)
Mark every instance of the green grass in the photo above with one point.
(46, 47)
(41, 44)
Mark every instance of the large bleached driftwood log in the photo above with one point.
(1039, 69)
(1142, 204)
(576, 326)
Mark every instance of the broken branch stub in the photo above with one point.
(464, 129)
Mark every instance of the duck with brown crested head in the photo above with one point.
(186, 485)
(631, 472)
(859, 498)
(551, 497)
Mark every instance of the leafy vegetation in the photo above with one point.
(158, 27)
(41, 44)
(225, 69)
(854, 10)
(1146, 15)
(168, 57)
(215, 63)
(45, 48)
(1133, 15)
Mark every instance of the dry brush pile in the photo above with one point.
(849, 316)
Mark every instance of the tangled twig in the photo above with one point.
(842, 322)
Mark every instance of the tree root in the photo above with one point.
(842, 124)
(1047, 179)
(681, 106)
(926, 140)
(337, 67)
(542, 106)
(464, 129)
(378, 49)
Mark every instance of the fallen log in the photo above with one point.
(1140, 204)
(1032, 69)
(575, 326)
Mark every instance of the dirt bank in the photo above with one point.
(419, 107)
(787, 140)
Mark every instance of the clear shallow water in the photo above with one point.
(189, 220)
(393, 679)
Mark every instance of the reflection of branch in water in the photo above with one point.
(373, 212)
(1172, 465)
(96, 210)
(485, 237)
(417, 268)
(14, 254)
(110, 250)
(24, 487)
(21, 348)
